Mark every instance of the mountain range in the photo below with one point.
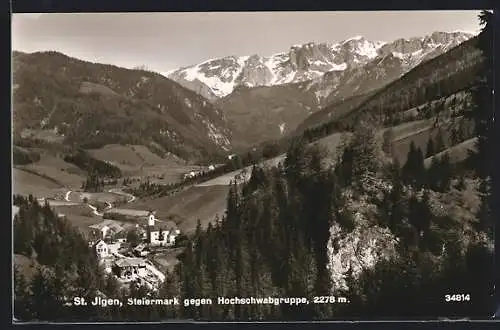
(219, 77)
(216, 107)
(264, 98)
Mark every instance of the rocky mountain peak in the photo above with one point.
(309, 61)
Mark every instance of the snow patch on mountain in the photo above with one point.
(216, 135)
(305, 62)
(369, 49)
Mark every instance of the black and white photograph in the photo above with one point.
(252, 166)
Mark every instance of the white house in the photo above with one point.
(158, 235)
(114, 247)
(101, 249)
(190, 175)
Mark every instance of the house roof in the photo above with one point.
(120, 234)
(140, 247)
(99, 242)
(111, 224)
(130, 262)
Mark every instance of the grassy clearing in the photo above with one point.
(419, 138)
(65, 178)
(101, 197)
(410, 128)
(457, 153)
(42, 134)
(75, 210)
(132, 155)
(79, 215)
(56, 169)
(186, 207)
(139, 161)
(129, 212)
(26, 183)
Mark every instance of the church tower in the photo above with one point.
(151, 219)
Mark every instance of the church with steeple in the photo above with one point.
(158, 234)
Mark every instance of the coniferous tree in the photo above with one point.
(482, 95)
(454, 136)
(426, 219)
(429, 150)
(295, 162)
(440, 145)
(434, 174)
(445, 172)
(408, 167)
(365, 156)
(419, 168)
(45, 302)
(413, 171)
(388, 136)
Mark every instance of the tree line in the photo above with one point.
(95, 166)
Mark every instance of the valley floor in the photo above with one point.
(204, 201)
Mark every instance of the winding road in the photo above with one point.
(130, 197)
(119, 192)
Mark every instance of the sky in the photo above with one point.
(166, 41)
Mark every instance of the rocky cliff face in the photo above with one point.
(367, 244)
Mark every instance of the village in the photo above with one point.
(124, 249)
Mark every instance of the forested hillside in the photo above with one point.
(266, 113)
(90, 105)
(437, 78)
(64, 266)
(284, 230)
(333, 111)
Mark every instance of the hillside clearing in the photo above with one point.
(132, 155)
(457, 153)
(100, 197)
(138, 160)
(26, 183)
(56, 168)
(188, 206)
